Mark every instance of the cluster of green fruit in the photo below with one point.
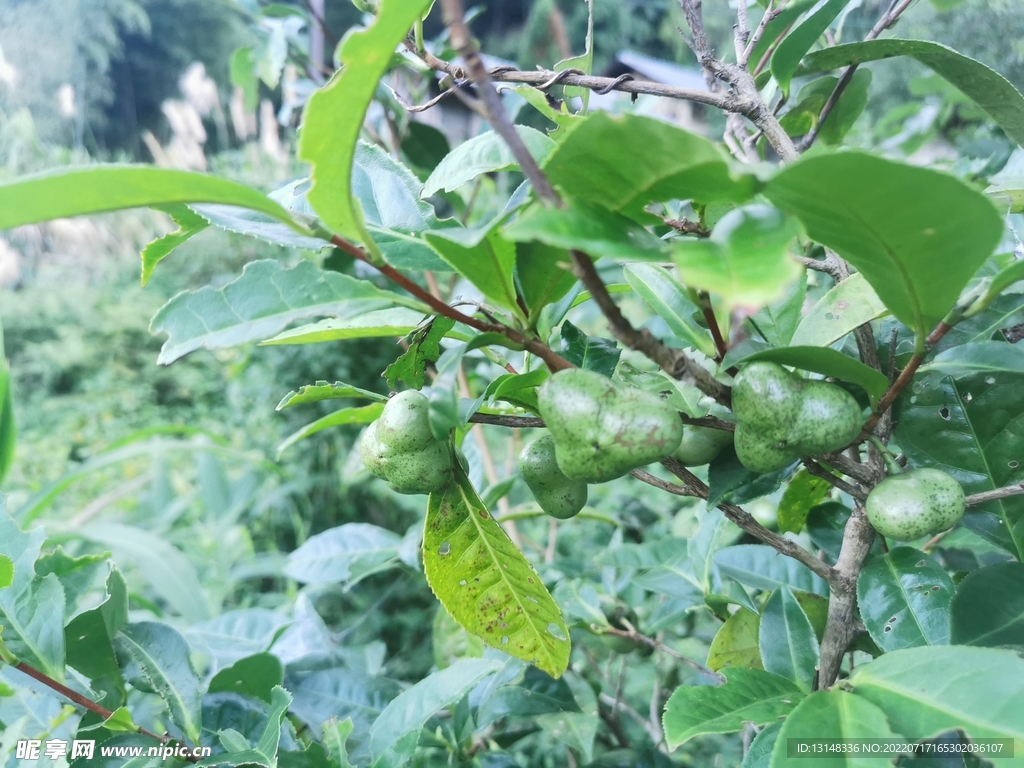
(599, 431)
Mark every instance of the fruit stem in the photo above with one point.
(891, 465)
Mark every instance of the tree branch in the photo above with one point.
(664, 485)
(817, 470)
(533, 422)
(746, 521)
(999, 493)
(632, 633)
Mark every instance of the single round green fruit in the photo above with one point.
(701, 445)
(557, 495)
(781, 417)
(915, 504)
(603, 430)
(401, 449)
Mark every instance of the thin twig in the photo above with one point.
(770, 12)
(677, 490)
(632, 633)
(1017, 489)
(817, 470)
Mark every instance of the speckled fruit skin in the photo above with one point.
(557, 495)
(915, 504)
(602, 430)
(781, 417)
(701, 445)
(400, 448)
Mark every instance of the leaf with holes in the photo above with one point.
(487, 584)
(748, 696)
(904, 599)
(189, 224)
(971, 428)
(486, 153)
(988, 608)
(917, 235)
(424, 347)
(261, 302)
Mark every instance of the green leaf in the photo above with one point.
(904, 599)
(583, 62)
(335, 734)
(487, 584)
(155, 658)
(848, 109)
(925, 691)
(257, 224)
(1012, 273)
(120, 720)
(978, 357)
(585, 227)
(345, 554)
(831, 715)
(189, 225)
(970, 428)
(736, 643)
(761, 567)
(334, 115)
(451, 642)
(988, 608)
(760, 753)
(825, 525)
(365, 414)
(992, 92)
(483, 257)
(413, 707)
(537, 694)
(746, 260)
(748, 696)
(780, 25)
(590, 352)
(31, 607)
(243, 75)
(261, 302)
(102, 188)
(265, 752)
(89, 637)
(778, 322)
(486, 153)
(543, 274)
(828, 362)
(7, 428)
(664, 163)
(669, 300)
(845, 307)
(396, 322)
(316, 393)
(917, 235)
(803, 492)
(6, 571)
(788, 645)
(1009, 194)
(797, 43)
(235, 634)
(575, 730)
(254, 676)
(729, 480)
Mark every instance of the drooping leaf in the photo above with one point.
(254, 676)
(746, 261)
(155, 658)
(970, 428)
(803, 492)
(984, 86)
(413, 707)
(663, 294)
(31, 608)
(316, 393)
(831, 715)
(486, 153)
(590, 352)
(664, 163)
(917, 235)
(487, 584)
(582, 226)
(334, 115)
(261, 302)
(797, 43)
(748, 696)
(345, 554)
(828, 362)
(904, 599)
(365, 414)
(89, 637)
(988, 608)
(788, 645)
(381, 323)
(736, 644)
(928, 690)
(189, 224)
(761, 567)
(424, 347)
(845, 307)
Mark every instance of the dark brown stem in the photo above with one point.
(817, 470)
(746, 522)
(88, 704)
(552, 359)
(842, 625)
(889, 18)
(716, 331)
(673, 361)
